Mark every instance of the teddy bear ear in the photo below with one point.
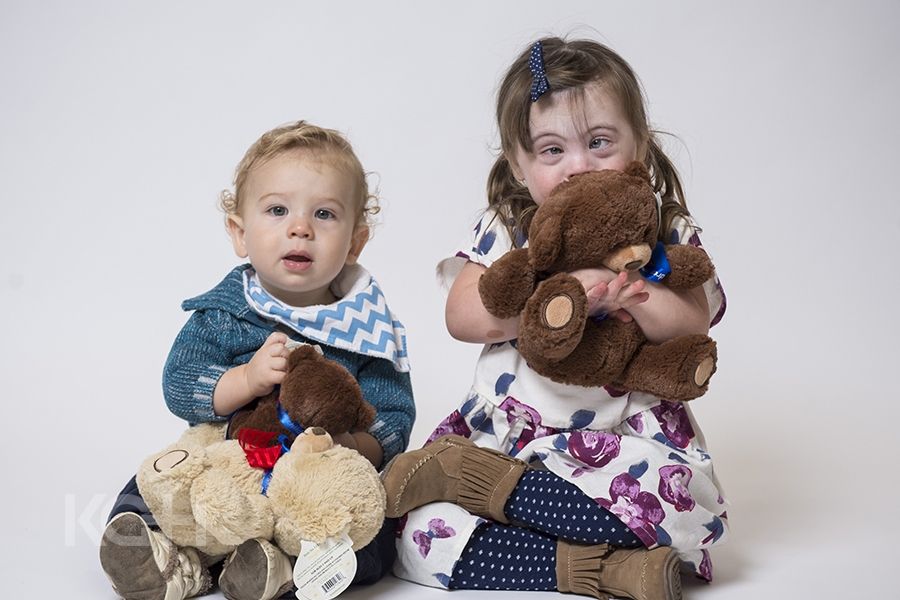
(638, 169)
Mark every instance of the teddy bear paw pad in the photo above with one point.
(558, 311)
(704, 371)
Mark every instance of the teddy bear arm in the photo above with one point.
(690, 266)
(507, 284)
(365, 417)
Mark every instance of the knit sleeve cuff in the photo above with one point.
(201, 382)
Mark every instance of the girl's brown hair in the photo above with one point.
(572, 65)
(326, 145)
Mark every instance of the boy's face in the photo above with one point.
(297, 224)
(570, 137)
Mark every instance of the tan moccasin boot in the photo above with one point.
(256, 570)
(452, 469)
(602, 571)
(143, 564)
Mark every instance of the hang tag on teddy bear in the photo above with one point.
(323, 571)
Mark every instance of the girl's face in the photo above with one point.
(297, 224)
(571, 137)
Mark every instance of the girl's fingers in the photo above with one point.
(622, 315)
(635, 299)
(616, 285)
(598, 291)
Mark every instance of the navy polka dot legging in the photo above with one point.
(508, 557)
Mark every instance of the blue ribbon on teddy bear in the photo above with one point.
(261, 452)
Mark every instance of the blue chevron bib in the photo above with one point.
(360, 321)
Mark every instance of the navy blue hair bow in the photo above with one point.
(539, 83)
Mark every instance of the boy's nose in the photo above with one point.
(300, 227)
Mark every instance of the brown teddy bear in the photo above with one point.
(315, 392)
(607, 218)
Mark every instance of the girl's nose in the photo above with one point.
(578, 163)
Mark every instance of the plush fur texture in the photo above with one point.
(316, 392)
(209, 498)
(204, 494)
(605, 218)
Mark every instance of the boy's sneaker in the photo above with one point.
(143, 564)
(256, 570)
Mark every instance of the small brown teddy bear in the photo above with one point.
(315, 392)
(607, 218)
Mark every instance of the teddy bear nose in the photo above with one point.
(316, 431)
(629, 258)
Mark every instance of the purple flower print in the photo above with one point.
(636, 422)
(614, 392)
(706, 566)
(674, 422)
(455, 423)
(594, 448)
(436, 529)
(673, 487)
(519, 411)
(640, 511)
(578, 469)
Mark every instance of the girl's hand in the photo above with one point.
(612, 293)
(267, 367)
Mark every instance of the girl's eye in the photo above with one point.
(598, 142)
(553, 150)
(324, 214)
(277, 211)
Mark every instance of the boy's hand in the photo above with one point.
(267, 367)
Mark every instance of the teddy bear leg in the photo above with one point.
(554, 318)
(679, 369)
(256, 570)
(605, 349)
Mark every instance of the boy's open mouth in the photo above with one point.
(297, 260)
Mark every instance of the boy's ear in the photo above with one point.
(357, 243)
(235, 226)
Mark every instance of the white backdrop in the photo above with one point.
(121, 121)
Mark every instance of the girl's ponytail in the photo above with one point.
(668, 185)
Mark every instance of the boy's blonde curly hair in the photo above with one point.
(326, 145)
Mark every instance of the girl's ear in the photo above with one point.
(357, 243)
(513, 168)
(638, 169)
(235, 227)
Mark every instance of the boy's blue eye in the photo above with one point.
(324, 214)
(277, 211)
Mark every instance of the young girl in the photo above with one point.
(545, 486)
(299, 214)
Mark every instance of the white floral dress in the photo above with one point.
(642, 458)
